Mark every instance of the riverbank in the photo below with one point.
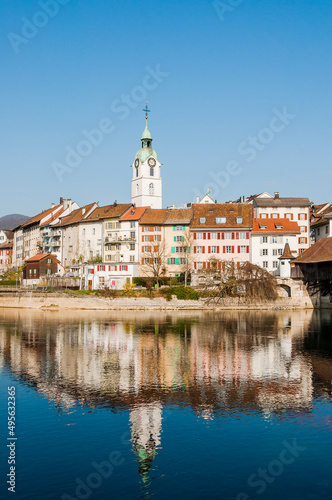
(62, 301)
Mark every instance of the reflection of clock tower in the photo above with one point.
(146, 189)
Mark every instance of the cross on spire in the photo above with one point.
(147, 110)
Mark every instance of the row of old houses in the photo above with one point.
(109, 245)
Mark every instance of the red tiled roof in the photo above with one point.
(282, 202)
(287, 254)
(321, 251)
(75, 217)
(229, 210)
(41, 256)
(54, 216)
(268, 226)
(133, 214)
(154, 216)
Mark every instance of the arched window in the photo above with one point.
(151, 171)
(151, 188)
(136, 172)
(137, 188)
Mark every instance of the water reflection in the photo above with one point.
(215, 364)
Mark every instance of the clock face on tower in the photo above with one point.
(137, 163)
(152, 162)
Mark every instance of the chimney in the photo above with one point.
(69, 204)
(61, 200)
(83, 210)
(53, 205)
(197, 199)
(276, 195)
(64, 204)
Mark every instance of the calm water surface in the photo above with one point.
(234, 405)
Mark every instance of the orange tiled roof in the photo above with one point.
(321, 251)
(229, 210)
(154, 216)
(54, 216)
(282, 202)
(267, 226)
(133, 214)
(40, 256)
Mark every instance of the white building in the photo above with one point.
(267, 242)
(295, 209)
(114, 276)
(146, 184)
(321, 222)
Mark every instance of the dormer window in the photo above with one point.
(239, 220)
(220, 220)
(202, 220)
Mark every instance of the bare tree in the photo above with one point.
(153, 260)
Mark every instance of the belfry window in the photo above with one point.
(151, 188)
(136, 172)
(151, 171)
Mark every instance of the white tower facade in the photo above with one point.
(146, 184)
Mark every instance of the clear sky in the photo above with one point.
(239, 92)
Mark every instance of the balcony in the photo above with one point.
(118, 239)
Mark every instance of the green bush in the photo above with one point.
(9, 282)
(181, 293)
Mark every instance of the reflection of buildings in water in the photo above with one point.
(231, 359)
(145, 421)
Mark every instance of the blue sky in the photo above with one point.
(225, 72)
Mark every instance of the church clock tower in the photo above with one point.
(146, 188)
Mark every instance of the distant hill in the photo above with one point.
(12, 220)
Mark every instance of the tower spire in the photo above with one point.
(146, 110)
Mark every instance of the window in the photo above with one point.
(137, 188)
(239, 220)
(303, 229)
(302, 216)
(99, 242)
(101, 268)
(48, 271)
(220, 220)
(214, 236)
(35, 271)
(146, 237)
(274, 208)
(199, 265)
(178, 238)
(199, 236)
(83, 231)
(202, 220)
(172, 260)
(132, 235)
(123, 268)
(146, 260)
(265, 264)
(136, 172)
(213, 249)
(265, 251)
(263, 216)
(228, 236)
(93, 231)
(146, 249)
(101, 280)
(274, 252)
(117, 246)
(179, 249)
(243, 249)
(30, 271)
(151, 188)
(156, 237)
(264, 239)
(242, 236)
(302, 250)
(327, 229)
(109, 225)
(132, 224)
(289, 216)
(117, 225)
(228, 249)
(156, 228)
(274, 239)
(48, 261)
(132, 246)
(275, 216)
(151, 171)
(275, 264)
(131, 258)
(156, 260)
(179, 228)
(199, 249)
(280, 251)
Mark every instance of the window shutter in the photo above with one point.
(222, 236)
(116, 268)
(204, 265)
(306, 240)
(173, 250)
(168, 261)
(174, 238)
(247, 249)
(195, 265)
(174, 228)
(218, 249)
(142, 249)
(233, 236)
(233, 250)
(203, 249)
(247, 236)
(218, 236)
(209, 249)
(159, 237)
(177, 261)
(194, 236)
(142, 238)
(156, 249)
(299, 240)
(291, 216)
(238, 249)
(98, 268)
(209, 236)
(204, 236)
(151, 237)
(150, 261)
(224, 249)
(306, 216)
(237, 236)
(126, 268)
(194, 249)
(109, 268)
